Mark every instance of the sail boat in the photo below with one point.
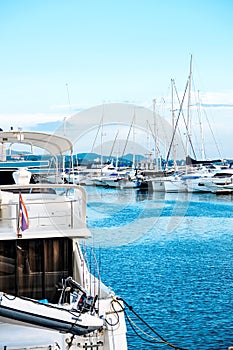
(187, 180)
(158, 181)
(177, 182)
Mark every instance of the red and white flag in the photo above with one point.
(23, 215)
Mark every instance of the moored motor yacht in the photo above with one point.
(49, 298)
(212, 182)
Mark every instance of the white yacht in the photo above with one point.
(73, 177)
(158, 184)
(175, 183)
(48, 297)
(124, 179)
(191, 181)
(108, 171)
(219, 181)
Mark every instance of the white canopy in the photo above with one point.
(53, 144)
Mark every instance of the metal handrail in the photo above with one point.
(13, 206)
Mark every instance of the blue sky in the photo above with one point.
(58, 57)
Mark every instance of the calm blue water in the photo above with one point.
(170, 257)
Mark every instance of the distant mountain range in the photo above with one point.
(87, 158)
(81, 158)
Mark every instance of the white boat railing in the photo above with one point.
(50, 207)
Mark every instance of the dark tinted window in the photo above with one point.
(35, 268)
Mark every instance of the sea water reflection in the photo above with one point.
(170, 257)
(119, 217)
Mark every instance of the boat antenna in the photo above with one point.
(65, 118)
(68, 97)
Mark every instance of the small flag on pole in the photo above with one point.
(23, 222)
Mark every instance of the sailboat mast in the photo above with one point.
(127, 139)
(188, 109)
(134, 160)
(156, 136)
(113, 145)
(173, 124)
(101, 139)
(203, 156)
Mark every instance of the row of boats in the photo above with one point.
(106, 176)
(205, 178)
(212, 178)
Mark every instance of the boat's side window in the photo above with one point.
(35, 268)
(7, 266)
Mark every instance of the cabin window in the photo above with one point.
(35, 268)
